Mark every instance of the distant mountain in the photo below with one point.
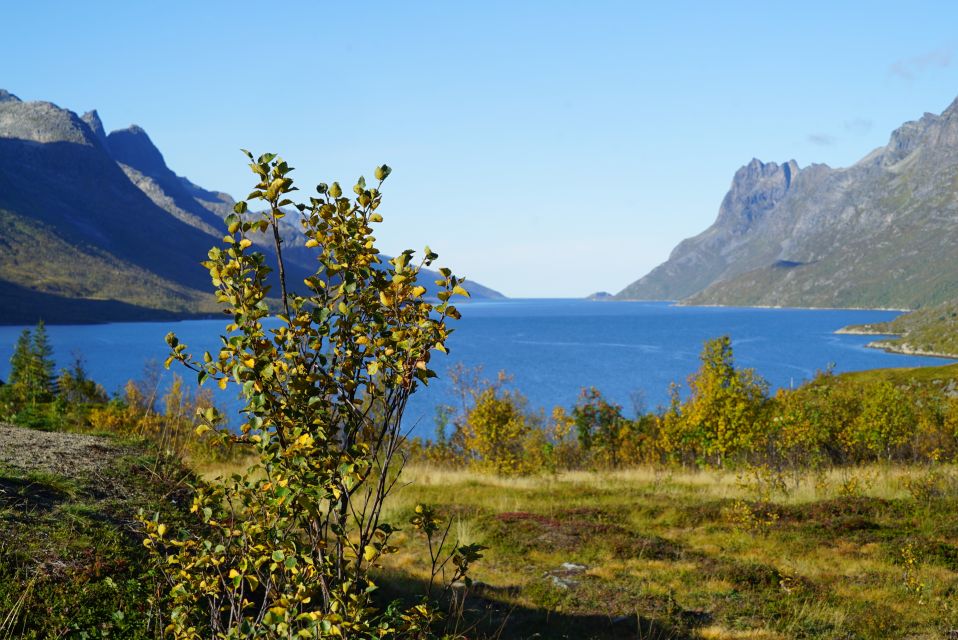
(881, 233)
(205, 210)
(96, 227)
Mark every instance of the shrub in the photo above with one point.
(286, 548)
(724, 417)
(601, 428)
(887, 421)
(496, 430)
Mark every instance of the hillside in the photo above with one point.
(881, 233)
(96, 227)
(931, 331)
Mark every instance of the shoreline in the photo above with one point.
(680, 303)
(853, 330)
(906, 350)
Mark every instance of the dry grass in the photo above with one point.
(694, 554)
(820, 560)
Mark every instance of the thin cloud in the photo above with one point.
(910, 68)
(822, 139)
(858, 125)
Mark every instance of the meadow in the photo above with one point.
(863, 552)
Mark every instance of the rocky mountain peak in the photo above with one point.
(92, 118)
(133, 147)
(756, 188)
(6, 96)
(42, 122)
(930, 132)
(880, 233)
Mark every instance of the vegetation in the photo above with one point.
(285, 547)
(930, 331)
(72, 564)
(727, 419)
(38, 279)
(650, 552)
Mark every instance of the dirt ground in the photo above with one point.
(65, 454)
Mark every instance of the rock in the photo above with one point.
(562, 583)
(817, 236)
(92, 118)
(563, 576)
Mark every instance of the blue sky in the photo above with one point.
(542, 148)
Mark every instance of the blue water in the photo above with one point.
(552, 348)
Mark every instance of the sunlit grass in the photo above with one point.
(661, 544)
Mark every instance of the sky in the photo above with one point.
(545, 149)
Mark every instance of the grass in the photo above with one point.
(865, 553)
(846, 554)
(71, 559)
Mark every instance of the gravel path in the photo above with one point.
(65, 454)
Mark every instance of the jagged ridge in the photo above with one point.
(96, 227)
(881, 233)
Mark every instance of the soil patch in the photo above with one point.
(65, 454)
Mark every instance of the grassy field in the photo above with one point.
(865, 553)
(72, 563)
(646, 553)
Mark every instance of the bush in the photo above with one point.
(286, 548)
(725, 415)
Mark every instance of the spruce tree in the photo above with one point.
(32, 376)
(44, 377)
(20, 365)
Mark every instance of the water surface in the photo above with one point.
(552, 348)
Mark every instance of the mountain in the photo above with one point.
(881, 233)
(205, 210)
(96, 227)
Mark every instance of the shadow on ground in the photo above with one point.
(487, 616)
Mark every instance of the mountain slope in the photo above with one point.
(55, 172)
(96, 227)
(881, 233)
(205, 210)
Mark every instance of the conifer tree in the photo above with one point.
(20, 368)
(43, 364)
(32, 377)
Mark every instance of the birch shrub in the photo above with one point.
(286, 548)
